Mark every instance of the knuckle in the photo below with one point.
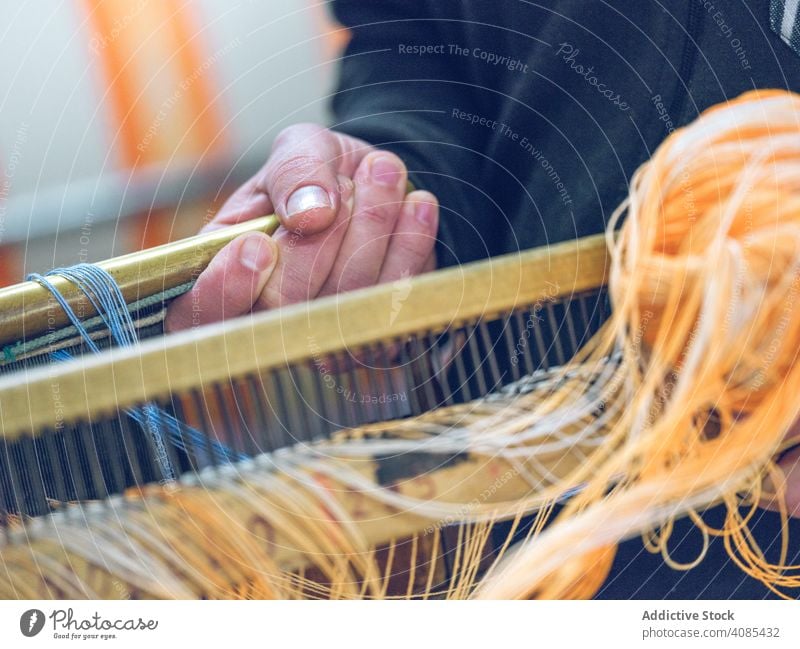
(354, 277)
(297, 283)
(234, 298)
(292, 169)
(377, 213)
(299, 133)
(364, 176)
(413, 247)
(279, 294)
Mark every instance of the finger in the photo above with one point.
(380, 186)
(305, 260)
(229, 286)
(247, 202)
(411, 247)
(301, 175)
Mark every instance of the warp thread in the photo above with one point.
(103, 293)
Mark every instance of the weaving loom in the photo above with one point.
(68, 437)
(367, 444)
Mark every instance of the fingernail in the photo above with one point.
(385, 171)
(424, 213)
(307, 198)
(255, 253)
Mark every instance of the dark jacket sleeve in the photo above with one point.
(396, 96)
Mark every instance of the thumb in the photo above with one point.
(229, 286)
(300, 177)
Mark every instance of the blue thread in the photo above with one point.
(107, 300)
(22, 348)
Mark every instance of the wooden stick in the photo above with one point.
(28, 310)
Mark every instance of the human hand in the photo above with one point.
(347, 222)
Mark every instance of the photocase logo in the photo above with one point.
(31, 622)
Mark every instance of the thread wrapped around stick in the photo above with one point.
(681, 401)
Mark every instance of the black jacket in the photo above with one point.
(528, 119)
